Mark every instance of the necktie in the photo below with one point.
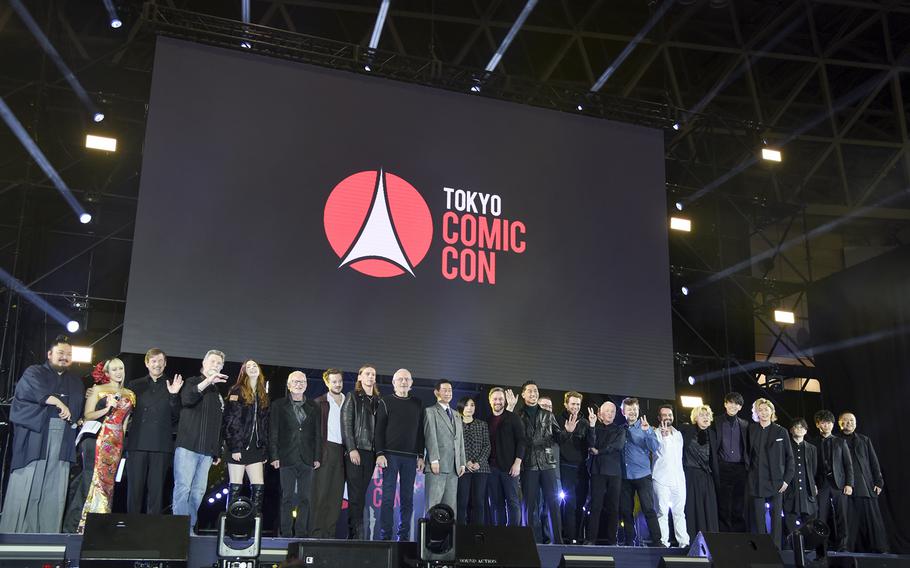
(449, 414)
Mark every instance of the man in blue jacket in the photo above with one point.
(641, 441)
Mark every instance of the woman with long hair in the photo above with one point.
(246, 432)
(110, 404)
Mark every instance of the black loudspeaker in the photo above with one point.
(31, 555)
(737, 550)
(352, 553)
(120, 541)
(586, 561)
(503, 547)
(683, 562)
(871, 561)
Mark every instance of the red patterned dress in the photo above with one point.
(108, 450)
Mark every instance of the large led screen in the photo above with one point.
(309, 217)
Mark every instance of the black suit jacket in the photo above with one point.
(510, 440)
(743, 435)
(772, 464)
(156, 413)
(690, 432)
(842, 462)
(609, 441)
(290, 442)
(866, 463)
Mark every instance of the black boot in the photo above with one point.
(234, 490)
(257, 490)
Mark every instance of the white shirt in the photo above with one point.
(668, 466)
(334, 434)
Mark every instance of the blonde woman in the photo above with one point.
(772, 464)
(700, 452)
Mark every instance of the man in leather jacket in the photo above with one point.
(539, 465)
(358, 421)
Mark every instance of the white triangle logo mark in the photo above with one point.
(377, 238)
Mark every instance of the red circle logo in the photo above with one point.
(378, 224)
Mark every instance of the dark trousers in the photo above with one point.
(832, 500)
(401, 470)
(532, 481)
(644, 488)
(329, 482)
(503, 491)
(145, 473)
(79, 486)
(605, 494)
(574, 480)
(472, 488)
(758, 511)
(867, 528)
(296, 488)
(731, 497)
(358, 478)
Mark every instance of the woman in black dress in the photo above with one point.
(700, 465)
(246, 432)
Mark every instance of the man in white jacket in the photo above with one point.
(670, 480)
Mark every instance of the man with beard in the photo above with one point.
(641, 442)
(865, 529)
(507, 450)
(669, 480)
(47, 403)
(358, 420)
(834, 478)
(329, 478)
(573, 471)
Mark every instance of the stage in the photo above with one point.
(202, 552)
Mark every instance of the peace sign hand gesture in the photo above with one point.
(644, 423)
(592, 416)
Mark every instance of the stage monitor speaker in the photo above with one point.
(503, 547)
(683, 562)
(871, 561)
(120, 541)
(737, 550)
(353, 554)
(31, 555)
(586, 561)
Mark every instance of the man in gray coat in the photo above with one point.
(442, 430)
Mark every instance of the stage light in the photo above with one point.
(72, 326)
(437, 535)
(813, 536)
(475, 88)
(680, 224)
(770, 155)
(246, 45)
(675, 126)
(116, 23)
(679, 205)
(211, 500)
(104, 143)
(224, 491)
(690, 401)
(98, 116)
(218, 495)
(239, 531)
(784, 316)
(82, 354)
(562, 495)
(691, 380)
(367, 68)
(85, 218)
(684, 290)
(580, 108)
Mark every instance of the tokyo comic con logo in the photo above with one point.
(378, 224)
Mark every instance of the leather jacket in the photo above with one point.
(246, 426)
(540, 434)
(358, 421)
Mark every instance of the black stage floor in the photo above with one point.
(202, 553)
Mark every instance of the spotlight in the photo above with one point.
(784, 316)
(690, 401)
(85, 218)
(211, 500)
(562, 495)
(680, 224)
(224, 491)
(580, 108)
(814, 536)
(239, 531)
(72, 326)
(217, 495)
(679, 205)
(246, 45)
(94, 142)
(684, 290)
(367, 68)
(437, 535)
(475, 88)
(82, 354)
(770, 155)
(98, 116)
(116, 23)
(675, 126)
(691, 380)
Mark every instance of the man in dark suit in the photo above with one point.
(150, 440)
(733, 459)
(606, 441)
(507, 441)
(866, 529)
(834, 478)
(800, 502)
(295, 444)
(771, 459)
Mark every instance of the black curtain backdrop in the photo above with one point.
(860, 321)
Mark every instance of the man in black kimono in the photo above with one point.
(834, 479)
(800, 498)
(47, 404)
(772, 466)
(865, 529)
(150, 440)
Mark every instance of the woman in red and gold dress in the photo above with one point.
(111, 404)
